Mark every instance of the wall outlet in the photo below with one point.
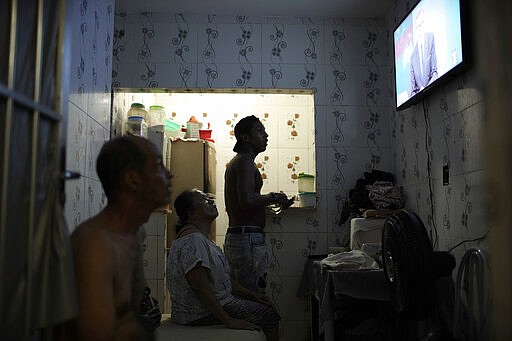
(446, 175)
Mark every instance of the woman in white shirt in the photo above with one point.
(199, 283)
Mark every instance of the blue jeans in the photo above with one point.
(248, 259)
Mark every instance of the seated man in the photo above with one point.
(199, 283)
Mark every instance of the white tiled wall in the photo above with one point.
(154, 260)
(89, 105)
(449, 128)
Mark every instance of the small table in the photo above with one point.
(326, 288)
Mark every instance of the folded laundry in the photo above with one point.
(351, 260)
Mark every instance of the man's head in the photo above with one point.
(419, 25)
(250, 131)
(133, 164)
(194, 204)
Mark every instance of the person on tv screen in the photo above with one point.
(423, 58)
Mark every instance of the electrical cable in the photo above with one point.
(467, 241)
(435, 240)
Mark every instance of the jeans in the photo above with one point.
(248, 258)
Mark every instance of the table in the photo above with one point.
(326, 288)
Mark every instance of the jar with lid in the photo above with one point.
(138, 109)
(136, 125)
(156, 115)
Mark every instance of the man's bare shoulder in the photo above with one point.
(241, 161)
(90, 236)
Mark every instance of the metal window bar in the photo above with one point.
(39, 112)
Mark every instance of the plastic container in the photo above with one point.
(174, 129)
(193, 127)
(156, 115)
(307, 199)
(171, 125)
(138, 109)
(205, 134)
(136, 125)
(306, 183)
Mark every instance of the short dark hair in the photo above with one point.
(243, 127)
(117, 156)
(184, 204)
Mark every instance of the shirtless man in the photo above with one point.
(106, 248)
(245, 245)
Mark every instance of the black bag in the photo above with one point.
(150, 311)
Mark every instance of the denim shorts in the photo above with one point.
(248, 259)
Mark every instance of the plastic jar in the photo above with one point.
(156, 115)
(306, 183)
(138, 109)
(136, 125)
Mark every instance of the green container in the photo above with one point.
(306, 183)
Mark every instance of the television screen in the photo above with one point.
(428, 45)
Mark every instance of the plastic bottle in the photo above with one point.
(156, 115)
(136, 125)
(138, 109)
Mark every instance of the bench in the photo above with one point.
(169, 330)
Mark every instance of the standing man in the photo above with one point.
(244, 245)
(106, 249)
(423, 57)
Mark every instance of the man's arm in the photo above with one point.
(198, 279)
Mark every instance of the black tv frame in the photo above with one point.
(467, 56)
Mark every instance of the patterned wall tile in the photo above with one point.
(291, 162)
(96, 136)
(285, 249)
(274, 44)
(304, 42)
(238, 43)
(358, 86)
(467, 152)
(286, 300)
(367, 44)
(74, 208)
(293, 127)
(76, 140)
(268, 165)
(95, 199)
(321, 113)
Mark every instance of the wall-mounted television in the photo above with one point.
(430, 44)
